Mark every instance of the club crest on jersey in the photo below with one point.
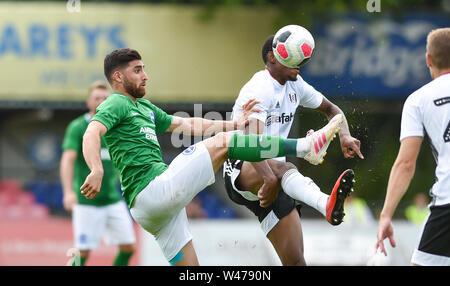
(83, 238)
(189, 150)
(152, 116)
(293, 97)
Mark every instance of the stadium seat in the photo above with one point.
(19, 203)
(39, 191)
(10, 185)
(55, 196)
(25, 198)
(6, 199)
(37, 211)
(16, 212)
(46, 193)
(214, 206)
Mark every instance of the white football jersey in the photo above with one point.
(427, 111)
(278, 103)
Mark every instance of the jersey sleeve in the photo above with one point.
(162, 119)
(73, 137)
(110, 112)
(310, 97)
(260, 94)
(412, 119)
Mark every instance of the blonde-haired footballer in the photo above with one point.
(107, 216)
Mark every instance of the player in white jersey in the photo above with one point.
(426, 111)
(280, 91)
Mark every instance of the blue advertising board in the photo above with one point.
(365, 57)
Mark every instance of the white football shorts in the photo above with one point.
(160, 207)
(111, 222)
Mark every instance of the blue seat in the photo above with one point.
(214, 206)
(55, 195)
(49, 194)
(39, 191)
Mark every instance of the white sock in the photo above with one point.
(303, 147)
(303, 189)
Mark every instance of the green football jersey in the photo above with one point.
(132, 140)
(73, 140)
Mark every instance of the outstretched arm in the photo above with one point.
(401, 175)
(91, 153)
(350, 146)
(198, 126)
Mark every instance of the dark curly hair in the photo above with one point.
(267, 47)
(118, 59)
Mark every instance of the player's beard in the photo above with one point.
(130, 88)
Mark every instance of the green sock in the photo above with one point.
(256, 148)
(79, 261)
(122, 258)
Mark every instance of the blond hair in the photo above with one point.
(438, 47)
(97, 85)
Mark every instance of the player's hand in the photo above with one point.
(350, 147)
(247, 109)
(92, 184)
(385, 230)
(69, 199)
(268, 192)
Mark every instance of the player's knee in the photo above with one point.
(221, 139)
(295, 258)
(300, 262)
(280, 168)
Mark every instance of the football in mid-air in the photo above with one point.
(293, 46)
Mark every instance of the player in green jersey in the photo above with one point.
(157, 193)
(106, 215)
